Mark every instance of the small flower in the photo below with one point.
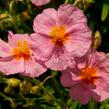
(60, 35)
(89, 79)
(40, 2)
(17, 56)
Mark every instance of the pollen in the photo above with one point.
(89, 75)
(59, 35)
(22, 50)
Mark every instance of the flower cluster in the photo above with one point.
(61, 41)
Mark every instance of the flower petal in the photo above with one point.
(13, 38)
(69, 15)
(34, 68)
(4, 49)
(103, 61)
(102, 89)
(42, 48)
(69, 78)
(40, 2)
(59, 60)
(80, 41)
(80, 93)
(44, 21)
(9, 65)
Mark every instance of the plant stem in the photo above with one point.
(66, 1)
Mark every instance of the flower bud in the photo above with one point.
(13, 82)
(3, 15)
(35, 90)
(107, 54)
(24, 15)
(97, 40)
(83, 4)
(25, 87)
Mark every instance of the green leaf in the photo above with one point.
(105, 10)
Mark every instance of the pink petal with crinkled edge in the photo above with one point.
(9, 65)
(40, 2)
(42, 47)
(14, 38)
(80, 93)
(80, 41)
(69, 15)
(59, 60)
(102, 84)
(102, 89)
(34, 68)
(69, 78)
(103, 61)
(45, 21)
(4, 49)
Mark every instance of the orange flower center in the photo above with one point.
(59, 35)
(89, 75)
(21, 51)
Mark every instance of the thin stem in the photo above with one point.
(7, 98)
(58, 90)
(91, 105)
(51, 76)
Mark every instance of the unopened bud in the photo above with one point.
(83, 4)
(107, 54)
(97, 40)
(25, 87)
(24, 16)
(3, 15)
(35, 90)
(13, 82)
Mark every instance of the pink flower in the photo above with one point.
(60, 35)
(40, 2)
(17, 56)
(89, 79)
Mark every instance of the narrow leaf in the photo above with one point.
(105, 10)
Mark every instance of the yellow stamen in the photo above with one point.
(89, 75)
(21, 51)
(59, 35)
